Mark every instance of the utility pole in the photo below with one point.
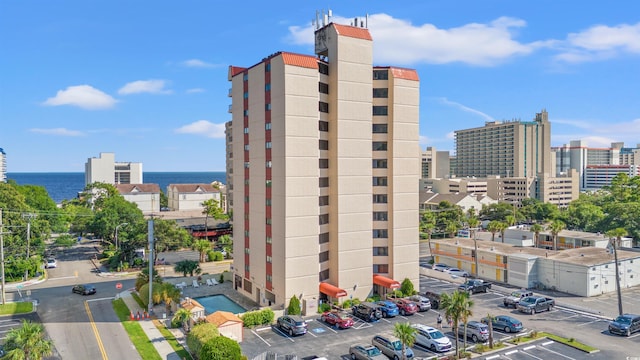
(28, 216)
(2, 259)
(615, 257)
(150, 235)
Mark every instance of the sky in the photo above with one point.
(147, 80)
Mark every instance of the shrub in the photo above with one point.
(258, 317)
(294, 306)
(199, 335)
(65, 240)
(144, 294)
(220, 348)
(324, 307)
(406, 288)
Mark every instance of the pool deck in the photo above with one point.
(202, 290)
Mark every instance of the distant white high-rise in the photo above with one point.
(106, 170)
(3, 166)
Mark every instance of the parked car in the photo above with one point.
(440, 267)
(456, 272)
(424, 304)
(534, 304)
(514, 298)
(477, 331)
(85, 289)
(367, 311)
(292, 325)
(426, 265)
(434, 298)
(51, 263)
(406, 307)
(391, 346)
(473, 286)
(505, 323)
(388, 308)
(625, 324)
(337, 319)
(431, 338)
(366, 352)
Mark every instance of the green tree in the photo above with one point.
(169, 294)
(456, 306)
(170, 236)
(493, 227)
(407, 287)
(502, 227)
(143, 277)
(556, 227)
(618, 234)
(199, 335)
(27, 342)
(187, 267)
(406, 334)
(497, 211)
(294, 306)
(536, 229)
(164, 200)
(212, 209)
(221, 348)
(452, 228)
(181, 317)
(202, 246)
(490, 319)
(510, 220)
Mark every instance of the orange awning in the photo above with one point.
(386, 282)
(332, 291)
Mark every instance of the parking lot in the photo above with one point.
(324, 340)
(6, 324)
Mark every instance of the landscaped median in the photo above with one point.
(137, 335)
(528, 337)
(12, 308)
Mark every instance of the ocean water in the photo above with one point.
(65, 186)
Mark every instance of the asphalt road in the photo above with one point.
(81, 327)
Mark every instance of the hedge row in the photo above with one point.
(258, 317)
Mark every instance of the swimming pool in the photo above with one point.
(214, 303)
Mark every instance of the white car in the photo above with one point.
(456, 272)
(431, 338)
(440, 267)
(51, 263)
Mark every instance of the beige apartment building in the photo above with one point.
(325, 163)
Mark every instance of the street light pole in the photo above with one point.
(123, 224)
(615, 257)
(2, 259)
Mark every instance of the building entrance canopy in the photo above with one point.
(386, 282)
(332, 291)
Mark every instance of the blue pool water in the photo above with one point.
(219, 302)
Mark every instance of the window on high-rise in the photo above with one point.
(380, 233)
(323, 182)
(380, 251)
(323, 256)
(323, 219)
(380, 128)
(380, 216)
(323, 145)
(323, 68)
(323, 88)
(380, 268)
(381, 74)
(379, 146)
(380, 110)
(323, 238)
(380, 93)
(379, 163)
(323, 125)
(323, 200)
(323, 107)
(323, 163)
(379, 198)
(379, 181)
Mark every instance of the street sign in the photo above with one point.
(119, 286)
(19, 286)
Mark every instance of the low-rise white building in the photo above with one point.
(191, 196)
(587, 271)
(146, 196)
(466, 201)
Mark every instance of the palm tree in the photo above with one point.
(502, 226)
(490, 324)
(187, 267)
(536, 229)
(181, 316)
(202, 246)
(473, 225)
(169, 294)
(27, 342)
(466, 314)
(407, 335)
(493, 227)
(510, 220)
(428, 228)
(451, 228)
(456, 306)
(556, 227)
(618, 234)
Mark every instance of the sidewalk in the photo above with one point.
(155, 336)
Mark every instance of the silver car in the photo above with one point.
(365, 352)
(477, 331)
(391, 346)
(423, 303)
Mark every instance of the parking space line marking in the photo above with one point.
(100, 299)
(632, 336)
(283, 334)
(511, 352)
(386, 320)
(312, 334)
(492, 357)
(568, 317)
(262, 329)
(418, 314)
(547, 343)
(529, 347)
(557, 353)
(260, 337)
(590, 322)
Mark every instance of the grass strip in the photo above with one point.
(138, 337)
(571, 342)
(21, 307)
(175, 344)
(137, 298)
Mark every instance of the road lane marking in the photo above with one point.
(61, 278)
(100, 299)
(95, 331)
(260, 337)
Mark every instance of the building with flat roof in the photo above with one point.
(435, 164)
(587, 271)
(326, 166)
(3, 166)
(106, 170)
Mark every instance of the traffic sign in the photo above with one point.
(119, 286)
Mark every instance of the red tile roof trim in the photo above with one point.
(407, 74)
(354, 32)
(305, 61)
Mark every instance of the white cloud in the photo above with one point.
(601, 42)
(144, 86)
(446, 101)
(203, 127)
(195, 90)
(83, 96)
(57, 131)
(196, 63)
(475, 44)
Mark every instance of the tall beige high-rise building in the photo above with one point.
(505, 148)
(325, 173)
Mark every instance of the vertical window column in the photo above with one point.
(247, 242)
(268, 178)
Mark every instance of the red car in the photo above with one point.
(339, 320)
(406, 307)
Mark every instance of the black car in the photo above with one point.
(85, 289)
(367, 311)
(625, 324)
(292, 325)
